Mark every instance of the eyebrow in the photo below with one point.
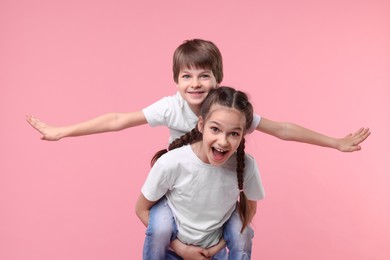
(234, 129)
(201, 71)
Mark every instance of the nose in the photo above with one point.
(222, 140)
(195, 83)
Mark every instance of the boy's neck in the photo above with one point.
(195, 109)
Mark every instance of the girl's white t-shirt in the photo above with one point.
(175, 113)
(202, 196)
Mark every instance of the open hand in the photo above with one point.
(48, 132)
(351, 142)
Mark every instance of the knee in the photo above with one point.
(160, 227)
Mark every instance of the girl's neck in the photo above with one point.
(197, 149)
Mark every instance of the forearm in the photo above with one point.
(142, 209)
(100, 124)
(218, 247)
(195, 252)
(105, 123)
(297, 133)
(144, 217)
(293, 132)
(178, 247)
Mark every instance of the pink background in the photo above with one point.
(321, 64)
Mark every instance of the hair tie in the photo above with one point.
(241, 190)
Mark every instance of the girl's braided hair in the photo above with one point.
(228, 97)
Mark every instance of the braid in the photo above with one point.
(243, 205)
(188, 138)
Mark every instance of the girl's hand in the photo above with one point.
(212, 251)
(189, 252)
(49, 133)
(351, 142)
(195, 253)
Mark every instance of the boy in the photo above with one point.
(197, 68)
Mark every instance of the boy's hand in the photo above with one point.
(49, 133)
(351, 142)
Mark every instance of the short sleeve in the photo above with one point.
(157, 183)
(158, 113)
(255, 123)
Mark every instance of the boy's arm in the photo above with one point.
(142, 209)
(101, 124)
(292, 132)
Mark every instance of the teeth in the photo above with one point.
(220, 150)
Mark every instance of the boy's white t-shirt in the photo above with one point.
(175, 113)
(202, 196)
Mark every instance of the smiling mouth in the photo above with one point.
(218, 153)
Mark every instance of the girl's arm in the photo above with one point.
(101, 124)
(252, 209)
(292, 132)
(142, 209)
(186, 251)
(189, 251)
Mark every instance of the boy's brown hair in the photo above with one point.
(199, 54)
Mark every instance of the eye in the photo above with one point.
(185, 76)
(205, 76)
(214, 129)
(235, 134)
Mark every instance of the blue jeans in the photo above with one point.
(162, 230)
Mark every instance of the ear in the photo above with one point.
(200, 124)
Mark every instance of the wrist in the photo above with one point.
(178, 247)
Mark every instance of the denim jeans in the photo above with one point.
(162, 230)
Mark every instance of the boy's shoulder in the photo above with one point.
(175, 102)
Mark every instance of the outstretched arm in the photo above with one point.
(292, 132)
(105, 123)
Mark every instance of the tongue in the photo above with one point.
(218, 155)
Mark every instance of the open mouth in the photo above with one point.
(218, 153)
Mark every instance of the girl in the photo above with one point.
(200, 180)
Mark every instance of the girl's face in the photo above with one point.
(194, 85)
(222, 132)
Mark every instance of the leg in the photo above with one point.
(239, 244)
(160, 231)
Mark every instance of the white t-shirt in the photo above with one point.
(202, 196)
(175, 113)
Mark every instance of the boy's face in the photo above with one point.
(194, 85)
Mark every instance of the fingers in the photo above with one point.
(36, 124)
(351, 142)
(205, 253)
(361, 135)
(33, 121)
